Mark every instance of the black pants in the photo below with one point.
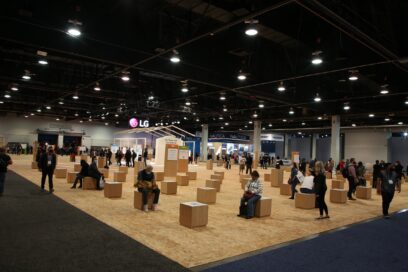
(352, 187)
(79, 178)
(386, 201)
(145, 193)
(293, 188)
(127, 162)
(248, 168)
(47, 172)
(133, 162)
(321, 203)
(375, 181)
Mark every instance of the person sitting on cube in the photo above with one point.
(253, 192)
(146, 184)
(83, 173)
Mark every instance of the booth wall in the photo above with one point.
(367, 145)
(301, 145)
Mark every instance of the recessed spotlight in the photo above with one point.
(221, 118)
(188, 103)
(261, 105)
(32, 114)
(222, 97)
(76, 114)
(25, 116)
(353, 75)
(371, 115)
(400, 123)
(125, 76)
(117, 122)
(185, 118)
(14, 88)
(405, 134)
(284, 120)
(38, 110)
(317, 98)
(90, 120)
(61, 102)
(103, 117)
(57, 119)
(197, 120)
(81, 121)
(222, 127)
(250, 122)
(270, 125)
(246, 126)
(316, 59)
(255, 115)
(1, 102)
(7, 96)
(43, 61)
(184, 88)
(97, 87)
(353, 125)
(225, 109)
(116, 115)
(226, 124)
(281, 87)
(303, 124)
(263, 128)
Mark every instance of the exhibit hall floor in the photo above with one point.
(226, 235)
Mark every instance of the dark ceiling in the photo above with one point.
(139, 37)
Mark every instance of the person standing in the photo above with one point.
(48, 161)
(248, 163)
(5, 161)
(146, 183)
(320, 189)
(128, 157)
(294, 180)
(134, 155)
(302, 166)
(389, 180)
(242, 165)
(145, 153)
(351, 178)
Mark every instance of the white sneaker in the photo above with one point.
(145, 208)
(154, 207)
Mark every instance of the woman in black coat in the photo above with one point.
(320, 188)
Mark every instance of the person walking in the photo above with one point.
(248, 163)
(294, 181)
(5, 161)
(320, 189)
(128, 157)
(48, 161)
(145, 153)
(352, 178)
(134, 155)
(389, 181)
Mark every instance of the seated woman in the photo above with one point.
(83, 173)
(306, 186)
(253, 192)
(93, 172)
(146, 184)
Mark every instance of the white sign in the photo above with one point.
(183, 154)
(272, 137)
(172, 154)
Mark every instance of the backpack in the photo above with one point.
(344, 172)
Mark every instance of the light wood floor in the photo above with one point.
(225, 235)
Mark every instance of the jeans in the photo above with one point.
(386, 201)
(145, 192)
(47, 172)
(2, 181)
(250, 204)
(322, 204)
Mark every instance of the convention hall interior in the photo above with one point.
(198, 135)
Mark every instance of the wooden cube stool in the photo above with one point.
(124, 169)
(138, 200)
(305, 201)
(209, 165)
(159, 176)
(119, 176)
(276, 177)
(213, 183)
(285, 189)
(112, 189)
(34, 165)
(242, 177)
(220, 173)
(338, 196)
(192, 175)
(71, 176)
(267, 177)
(220, 163)
(77, 167)
(263, 207)
(363, 192)
(244, 182)
(217, 177)
(182, 180)
(193, 214)
(101, 162)
(60, 172)
(328, 175)
(168, 187)
(206, 195)
(84, 157)
(337, 184)
(104, 171)
(89, 183)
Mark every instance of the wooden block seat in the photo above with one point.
(209, 165)
(338, 196)
(206, 195)
(138, 200)
(213, 183)
(276, 177)
(77, 167)
(71, 176)
(112, 189)
(220, 173)
(84, 157)
(104, 171)
(244, 182)
(101, 162)
(192, 175)
(34, 165)
(305, 201)
(263, 207)
(337, 184)
(89, 183)
(217, 177)
(363, 192)
(182, 180)
(60, 172)
(267, 177)
(123, 169)
(119, 176)
(159, 176)
(168, 187)
(285, 189)
(193, 214)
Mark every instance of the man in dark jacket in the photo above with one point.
(376, 173)
(134, 155)
(5, 161)
(248, 163)
(83, 173)
(389, 183)
(146, 184)
(47, 163)
(128, 157)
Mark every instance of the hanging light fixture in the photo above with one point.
(251, 29)
(7, 95)
(384, 89)
(184, 86)
(75, 96)
(175, 58)
(74, 28)
(371, 115)
(281, 87)
(353, 75)
(188, 103)
(255, 115)
(241, 75)
(97, 87)
(14, 87)
(261, 104)
(222, 96)
(26, 75)
(346, 106)
(125, 76)
(291, 111)
(317, 98)
(316, 58)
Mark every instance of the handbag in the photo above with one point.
(290, 181)
(248, 195)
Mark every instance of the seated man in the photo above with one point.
(83, 173)
(146, 184)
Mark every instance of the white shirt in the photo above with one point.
(308, 182)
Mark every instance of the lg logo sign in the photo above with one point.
(134, 123)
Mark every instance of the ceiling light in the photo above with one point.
(269, 125)
(175, 58)
(384, 91)
(76, 114)
(74, 31)
(48, 107)
(400, 123)
(317, 98)
(291, 111)
(32, 114)
(188, 103)
(246, 126)
(197, 120)
(281, 87)
(346, 106)
(405, 134)
(261, 105)
(303, 124)
(1, 102)
(43, 61)
(319, 118)
(61, 102)
(57, 119)
(222, 96)
(316, 59)
(90, 120)
(25, 116)
(371, 115)
(387, 119)
(26, 75)
(185, 118)
(75, 96)
(255, 115)
(117, 122)
(103, 117)
(225, 109)
(116, 115)
(250, 122)
(125, 77)
(222, 127)
(81, 121)
(97, 87)
(226, 124)
(353, 125)
(241, 76)
(14, 88)
(263, 128)
(353, 75)
(38, 110)
(251, 28)
(284, 120)
(106, 124)
(221, 118)
(7, 96)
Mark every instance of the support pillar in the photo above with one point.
(335, 139)
(60, 141)
(314, 145)
(286, 147)
(204, 143)
(256, 143)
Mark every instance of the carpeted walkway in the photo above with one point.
(40, 232)
(379, 245)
